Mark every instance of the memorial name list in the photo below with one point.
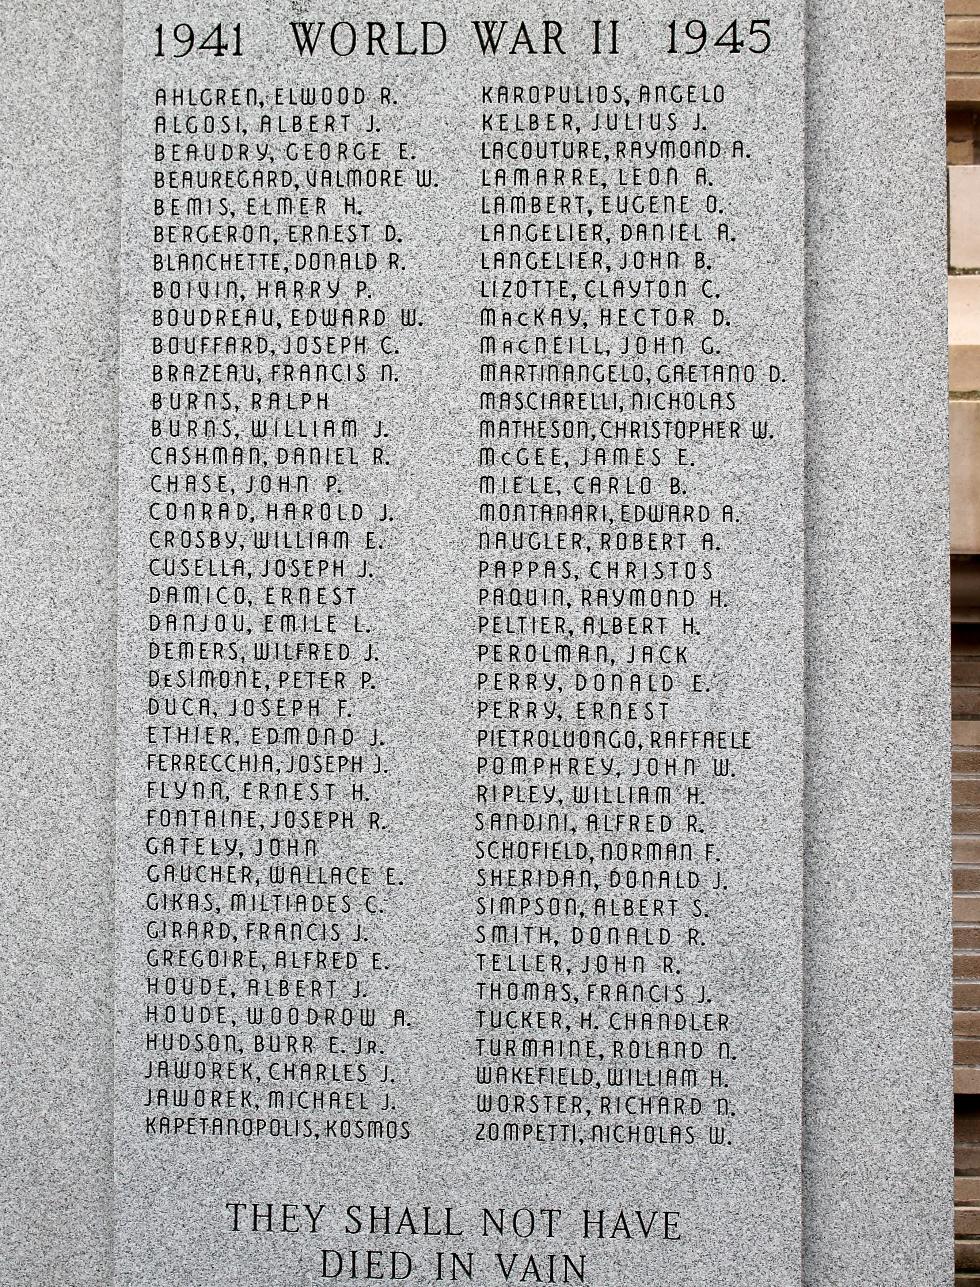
(460, 647)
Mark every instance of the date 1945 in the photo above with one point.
(750, 35)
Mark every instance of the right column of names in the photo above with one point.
(627, 399)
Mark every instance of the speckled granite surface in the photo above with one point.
(59, 246)
(878, 1063)
(877, 1159)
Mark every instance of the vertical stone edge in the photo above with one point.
(877, 1153)
(59, 242)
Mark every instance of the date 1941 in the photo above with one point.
(179, 41)
(750, 35)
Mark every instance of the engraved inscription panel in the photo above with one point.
(460, 655)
